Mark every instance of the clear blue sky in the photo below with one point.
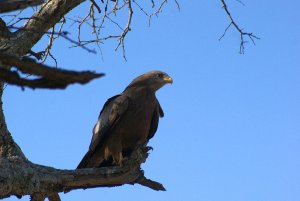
(231, 130)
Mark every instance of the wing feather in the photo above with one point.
(155, 119)
(109, 116)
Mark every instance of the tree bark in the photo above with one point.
(19, 178)
(11, 5)
(48, 77)
(8, 148)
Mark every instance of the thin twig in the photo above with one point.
(178, 6)
(225, 32)
(140, 7)
(159, 10)
(100, 14)
(240, 2)
(126, 30)
(96, 6)
(49, 46)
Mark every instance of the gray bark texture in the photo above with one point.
(19, 176)
(11, 5)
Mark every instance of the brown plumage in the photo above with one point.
(126, 121)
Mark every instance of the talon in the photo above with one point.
(149, 148)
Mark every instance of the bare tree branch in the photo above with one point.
(56, 34)
(49, 77)
(242, 3)
(242, 33)
(96, 29)
(46, 17)
(155, 12)
(11, 5)
(106, 16)
(151, 184)
(126, 30)
(105, 13)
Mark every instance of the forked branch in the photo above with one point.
(243, 34)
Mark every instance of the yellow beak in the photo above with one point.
(168, 79)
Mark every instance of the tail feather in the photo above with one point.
(90, 160)
(85, 160)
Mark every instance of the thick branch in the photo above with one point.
(11, 5)
(151, 184)
(48, 77)
(8, 148)
(26, 178)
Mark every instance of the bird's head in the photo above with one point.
(153, 80)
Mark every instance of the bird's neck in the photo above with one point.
(140, 91)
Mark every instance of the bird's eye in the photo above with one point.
(160, 75)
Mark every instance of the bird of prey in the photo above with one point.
(126, 121)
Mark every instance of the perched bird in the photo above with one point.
(126, 121)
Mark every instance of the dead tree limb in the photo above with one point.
(12, 5)
(242, 33)
(48, 77)
(25, 178)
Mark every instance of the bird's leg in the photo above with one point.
(107, 153)
(118, 159)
